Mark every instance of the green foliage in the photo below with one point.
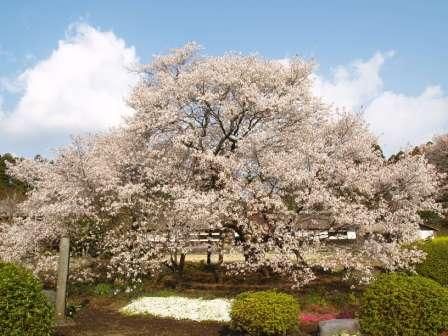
(315, 297)
(435, 266)
(5, 180)
(103, 289)
(72, 309)
(265, 313)
(24, 309)
(432, 218)
(398, 304)
(327, 298)
(8, 184)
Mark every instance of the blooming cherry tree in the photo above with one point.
(236, 143)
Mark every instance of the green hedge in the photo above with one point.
(24, 309)
(265, 313)
(398, 304)
(435, 266)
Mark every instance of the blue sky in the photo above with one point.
(390, 56)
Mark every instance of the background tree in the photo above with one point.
(436, 153)
(12, 191)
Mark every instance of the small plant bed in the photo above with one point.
(180, 308)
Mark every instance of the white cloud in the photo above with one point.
(353, 86)
(83, 84)
(398, 120)
(80, 87)
(402, 121)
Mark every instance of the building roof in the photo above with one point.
(428, 227)
(321, 221)
(311, 222)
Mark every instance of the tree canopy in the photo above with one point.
(237, 143)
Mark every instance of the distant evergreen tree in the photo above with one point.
(436, 152)
(8, 184)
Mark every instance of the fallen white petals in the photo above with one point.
(181, 308)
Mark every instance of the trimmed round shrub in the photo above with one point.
(398, 304)
(265, 313)
(435, 266)
(24, 309)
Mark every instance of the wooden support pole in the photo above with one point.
(61, 289)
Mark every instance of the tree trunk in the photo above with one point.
(209, 258)
(209, 253)
(182, 262)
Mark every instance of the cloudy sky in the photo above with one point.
(64, 65)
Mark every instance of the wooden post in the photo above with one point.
(61, 289)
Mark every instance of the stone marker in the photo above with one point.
(333, 327)
(61, 289)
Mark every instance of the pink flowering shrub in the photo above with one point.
(314, 318)
(315, 313)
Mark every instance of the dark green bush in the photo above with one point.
(398, 304)
(24, 309)
(265, 313)
(435, 266)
